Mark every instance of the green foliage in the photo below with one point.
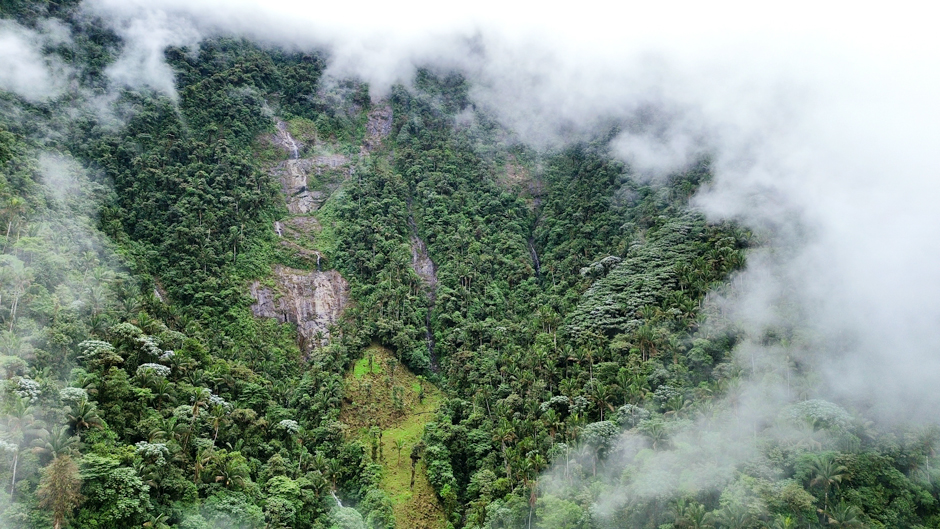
(347, 518)
(554, 299)
(115, 496)
(143, 358)
(232, 509)
(556, 513)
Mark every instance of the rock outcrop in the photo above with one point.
(312, 300)
(422, 264)
(378, 127)
(307, 182)
(284, 140)
(302, 197)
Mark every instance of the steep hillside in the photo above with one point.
(264, 298)
(386, 408)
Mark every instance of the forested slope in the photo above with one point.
(558, 303)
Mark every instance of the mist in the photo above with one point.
(821, 124)
(26, 71)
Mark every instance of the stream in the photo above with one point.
(288, 140)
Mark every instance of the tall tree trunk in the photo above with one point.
(16, 300)
(16, 458)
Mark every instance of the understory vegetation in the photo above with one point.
(568, 317)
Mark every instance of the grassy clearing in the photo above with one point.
(400, 404)
(367, 365)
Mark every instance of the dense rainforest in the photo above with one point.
(508, 320)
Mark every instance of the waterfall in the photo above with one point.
(294, 152)
(288, 140)
(318, 262)
(338, 503)
(535, 258)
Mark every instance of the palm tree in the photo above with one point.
(200, 398)
(504, 432)
(195, 378)
(205, 458)
(657, 434)
(167, 429)
(318, 481)
(826, 474)
(88, 382)
(784, 522)
(162, 389)
(399, 446)
(56, 442)
(218, 415)
(676, 403)
(733, 516)
(647, 338)
(845, 516)
(82, 416)
(20, 424)
(691, 515)
(17, 278)
(639, 388)
(231, 471)
(551, 419)
(13, 208)
(602, 396)
(334, 469)
(319, 463)
(149, 473)
(157, 521)
(623, 382)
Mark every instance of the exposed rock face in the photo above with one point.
(297, 227)
(294, 231)
(423, 265)
(378, 127)
(284, 140)
(427, 271)
(312, 300)
(294, 176)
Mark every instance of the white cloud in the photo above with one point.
(24, 70)
(822, 120)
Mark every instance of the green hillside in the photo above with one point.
(387, 407)
(281, 301)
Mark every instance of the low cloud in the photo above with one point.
(26, 71)
(821, 123)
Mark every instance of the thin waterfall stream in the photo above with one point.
(288, 140)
